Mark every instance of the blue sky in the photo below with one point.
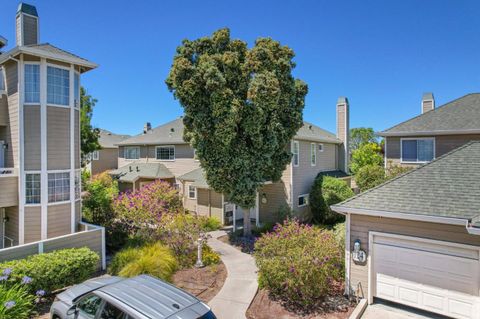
(381, 54)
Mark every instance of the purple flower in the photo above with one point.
(3, 278)
(7, 271)
(9, 304)
(40, 293)
(26, 280)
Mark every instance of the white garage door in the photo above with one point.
(435, 276)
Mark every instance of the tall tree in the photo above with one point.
(88, 134)
(242, 107)
(360, 136)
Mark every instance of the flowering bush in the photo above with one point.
(141, 211)
(16, 300)
(298, 263)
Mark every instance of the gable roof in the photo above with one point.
(196, 176)
(172, 133)
(448, 187)
(108, 139)
(131, 172)
(460, 116)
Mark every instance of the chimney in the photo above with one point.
(343, 128)
(428, 102)
(27, 25)
(147, 127)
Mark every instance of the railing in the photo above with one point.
(90, 236)
(8, 171)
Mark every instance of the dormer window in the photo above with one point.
(32, 83)
(58, 86)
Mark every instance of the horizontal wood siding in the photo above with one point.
(189, 204)
(58, 220)
(19, 252)
(107, 160)
(32, 224)
(8, 191)
(276, 196)
(209, 203)
(12, 152)
(32, 144)
(58, 138)
(76, 136)
(360, 226)
(3, 110)
(30, 30)
(11, 227)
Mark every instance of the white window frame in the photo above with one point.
(69, 185)
(76, 104)
(165, 146)
(306, 200)
(25, 181)
(125, 153)
(25, 82)
(95, 155)
(194, 192)
(297, 154)
(417, 139)
(46, 84)
(313, 154)
(320, 147)
(3, 79)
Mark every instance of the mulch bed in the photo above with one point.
(243, 244)
(335, 306)
(204, 283)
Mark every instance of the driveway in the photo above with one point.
(388, 310)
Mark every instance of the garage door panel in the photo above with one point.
(444, 281)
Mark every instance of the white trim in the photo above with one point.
(385, 153)
(125, 153)
(165, 146)
(298, 153)
(347, 255)
(95, 158)
(291, 186)
(194, 190)
(321, 147)
(70, 84)
(416, 139)
(59, 203)
(40, 78)
(307, 201)
(43, 153)
(257, 210)
(21, 158)
(313, 152)
(4, 76)
(72, 149)
(430, 133)
(104, 250)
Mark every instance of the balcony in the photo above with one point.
(8, 187)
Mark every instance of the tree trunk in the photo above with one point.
(247, 226)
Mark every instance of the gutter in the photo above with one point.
(427, 133)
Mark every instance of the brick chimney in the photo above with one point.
(27, 25)
(428, 102)
(343, 128)
(147, 127)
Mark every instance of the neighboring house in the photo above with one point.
(39, 136)
(420, 233)
(433, 133)
(163, 149)
(106, 158)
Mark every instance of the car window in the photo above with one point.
(89, 306)
(111, 312)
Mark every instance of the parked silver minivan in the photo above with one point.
(140, 297)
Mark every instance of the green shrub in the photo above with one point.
(366, 154)
(327, 191)
(298, 263)
(339, 233)
(370, 176)
(16, 302)
(209, 257)
(210, 223)
(154, 259)
(54, 270)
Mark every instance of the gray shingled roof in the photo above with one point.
(196, 176)
(132, 172)
(172, 133)
(446, 187)
(109, 140)
(461, 115)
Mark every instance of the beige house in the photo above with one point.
(106, 158)
(163, 150)
(415, 239)
(436, 131)
(39, 137)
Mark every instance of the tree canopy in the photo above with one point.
(360, 136)
(366, 154)
(88, 134)
(242, 107)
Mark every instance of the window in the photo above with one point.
(165, 153)
(295, 151)
(32, 188)
(313, 154)
(32, 83)
(320, 147)
(2, 81)
(303, 200)
(78, 180)
(89, 306)
(192, 192)
(95, 155)
(418, 150)
(112, 312)
(76, 88)
(58, 187)
(132, 152)
(58, 86)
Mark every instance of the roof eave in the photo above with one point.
(426, 133)
(317, 140)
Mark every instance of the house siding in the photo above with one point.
(361, 225)
(209, 203)
(59, 220)
(76, 137)
(3, 110)
(188, 203)
(11, 227)
(12, 132)
(8, 191)
(32, 144)
(58, 138)
(107, 160)
(277, 199)
(32, 224)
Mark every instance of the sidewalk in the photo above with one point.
(241, 284)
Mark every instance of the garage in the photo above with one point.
(437, 276)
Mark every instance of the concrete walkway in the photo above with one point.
(386, 310)
(241, 284)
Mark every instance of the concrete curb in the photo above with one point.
(359, 309)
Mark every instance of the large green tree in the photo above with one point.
(242, 107)
(360, 136)
(88, 134)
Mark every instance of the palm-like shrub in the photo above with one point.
(298, 263)
(16, 302)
